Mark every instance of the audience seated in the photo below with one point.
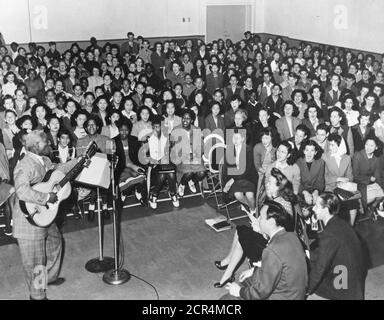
(312, 100)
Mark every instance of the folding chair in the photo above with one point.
(213, 176)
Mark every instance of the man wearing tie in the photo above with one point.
(333, 95)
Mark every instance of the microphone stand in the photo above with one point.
(117, 275)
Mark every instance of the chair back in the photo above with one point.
(214, 151)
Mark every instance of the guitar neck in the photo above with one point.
(72, 173)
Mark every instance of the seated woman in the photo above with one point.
(77, 125)
(367, 171)
(162, 169)
(199, 121)
(317, 94)
(9, 131)
(190, 167)
(312, 169)
(70, 107)
(285, 162)
(299, 97)
(241, 123)
(128, 109)
(170, 119)
(312, 118)
(143, 127)
(240, 177)
(361, 131)
(250, 243)
(338, 170)
(263, 121)
(338, 125)
(128, 171)
(264, 153)
(350, 108)
(215, 120)
(40, 113)
(287, 124)
(111, 130)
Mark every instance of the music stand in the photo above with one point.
(97, 175)
(117, 275)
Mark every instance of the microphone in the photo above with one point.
(110, 147)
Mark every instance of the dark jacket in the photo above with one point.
(359, 137)
(363, 169)
(313, 179)
(309, 125)
(133, 146)
(283, 273)
(338, 250)
(211, 125)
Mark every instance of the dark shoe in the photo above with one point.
(91, 215)
(57, 282)
(219, 266)
(221, 285)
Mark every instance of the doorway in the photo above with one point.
(227, 21)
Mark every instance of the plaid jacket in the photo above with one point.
(30, 171)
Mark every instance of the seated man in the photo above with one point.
(162, 169)
(337, 269)
(186, 153)
(129, 173)
(283, 272)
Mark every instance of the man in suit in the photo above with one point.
(333, 94)
(233, 89)
(301, 135)
(337, 268)
(40, 248)
(283, 272)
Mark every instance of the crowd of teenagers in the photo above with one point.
(307, 119)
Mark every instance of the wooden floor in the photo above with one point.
(174, 251)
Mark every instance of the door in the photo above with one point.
(227, 21)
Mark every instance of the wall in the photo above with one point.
(356, 24)
(74, 20)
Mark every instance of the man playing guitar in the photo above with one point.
(40, 248)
